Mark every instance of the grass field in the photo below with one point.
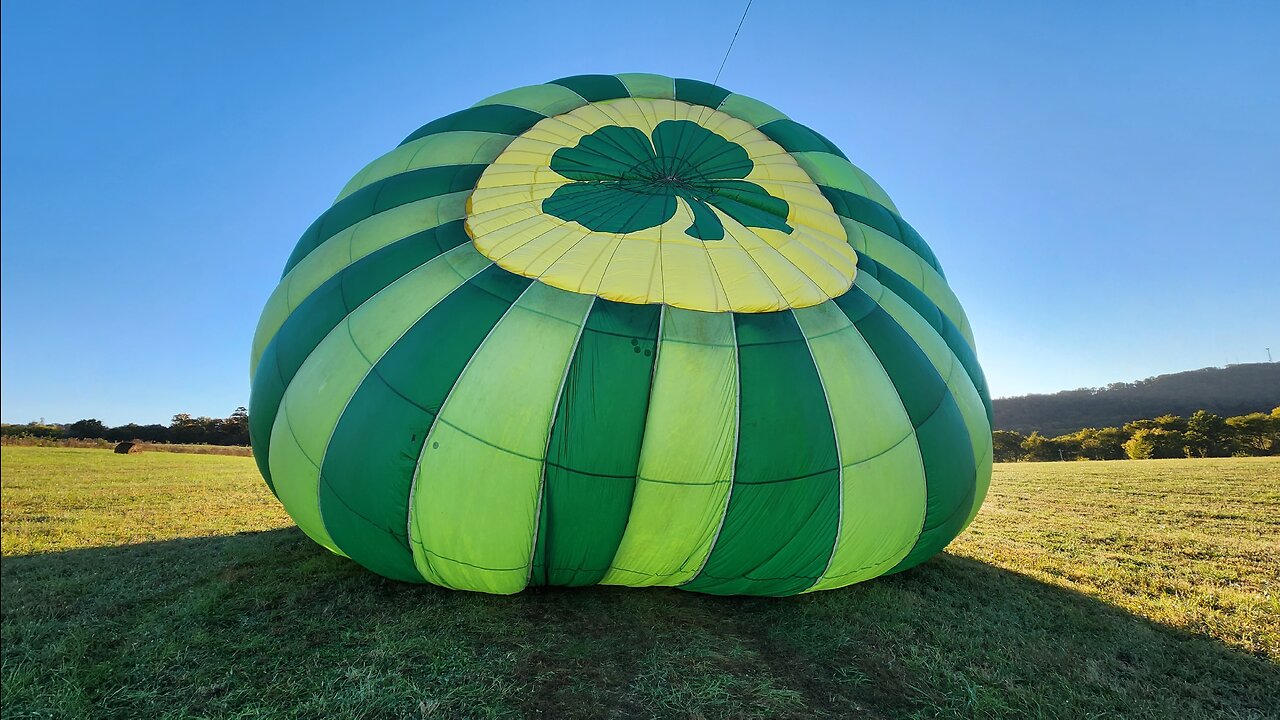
(172, 586)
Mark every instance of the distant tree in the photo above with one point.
(235, 429)
(134, 431)
(1006, 446)
(1207, 435)
(32, 429)
(1038, 448)
(1255, 433)
(1154, 442)
(91, 428)
(1095, 444)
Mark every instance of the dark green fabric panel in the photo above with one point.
(697, 92)
(794, 137)
(951, 334)
(501, 119)
(264, 402)
(594, 452)
(369, 465)
(383, 195)
(594, 88)
(780, 526)
(873, 214)
(949, 465)
(321, 311)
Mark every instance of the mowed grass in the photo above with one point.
(174, 586)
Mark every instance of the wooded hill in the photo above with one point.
(1232, 390)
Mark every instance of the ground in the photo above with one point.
(168, 586)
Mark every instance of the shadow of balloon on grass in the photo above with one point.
(267, 624)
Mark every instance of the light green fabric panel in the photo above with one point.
(877, 193)
(461, 147)
(686, 460)
(546, 99)
(645, 85)
(882, 484)
(321, 388)
(345, 248)
(481, 466)
(900, 259)
(945, 361)
(292, 468)
(750, 110)
(833, 171)
(884, 506)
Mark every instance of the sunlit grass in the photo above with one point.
(160, 585)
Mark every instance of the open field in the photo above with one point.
(164, 585)
(97, 443)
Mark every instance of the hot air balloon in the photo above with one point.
(623, 330)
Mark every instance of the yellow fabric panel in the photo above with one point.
(686, 459)
(751, 270)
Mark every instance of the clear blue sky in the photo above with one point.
(1101, 183)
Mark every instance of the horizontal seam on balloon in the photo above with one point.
(640, 478)
(446, 558)
(881, 453)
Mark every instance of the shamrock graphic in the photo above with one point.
(624, 182)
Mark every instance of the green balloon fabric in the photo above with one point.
(626, 330)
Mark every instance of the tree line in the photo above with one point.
(184, 429)
(1203, 434)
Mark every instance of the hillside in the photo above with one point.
(1233, 390)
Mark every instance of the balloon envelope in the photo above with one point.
(627, 330)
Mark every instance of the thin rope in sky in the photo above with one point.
(735, 37)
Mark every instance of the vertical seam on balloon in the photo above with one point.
(914, 434)
(555, 412)
(733, 462)
(653, 375)
(835, 436)
(346, 323)
(417, 464)
(372, 364)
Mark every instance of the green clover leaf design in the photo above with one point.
(624, 182)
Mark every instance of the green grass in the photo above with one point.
(170, 586)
